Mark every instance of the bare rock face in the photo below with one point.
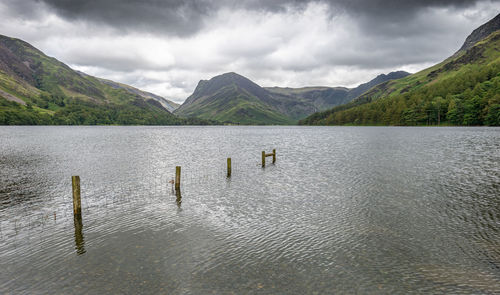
(481, 33)
(12, 63)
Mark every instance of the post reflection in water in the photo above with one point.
(396, 210)
(79, 240)
(178, 198)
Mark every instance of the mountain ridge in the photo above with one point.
(464, 89)
(382, 78)
(38, 89)
(167, 104)
(293, 103)
(480, 33)
(232, 98)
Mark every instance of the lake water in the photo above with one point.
(343, 210)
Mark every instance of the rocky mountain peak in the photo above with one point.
(481, 33)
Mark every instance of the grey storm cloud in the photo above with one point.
(172, 16)
(167, 46)
(184, 17)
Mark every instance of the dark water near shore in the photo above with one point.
(343, 210)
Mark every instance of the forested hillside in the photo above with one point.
(462, 90)
(38, 89)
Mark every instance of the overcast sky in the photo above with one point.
(167, 46)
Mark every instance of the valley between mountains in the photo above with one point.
(464, 89)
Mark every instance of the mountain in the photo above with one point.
(312, 99)
(481, 33)
(322, 98)
(38, 89)
(462, 90)
(167, 104)
(233, 98)
(354, 93)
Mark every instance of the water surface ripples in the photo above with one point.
(344, 210)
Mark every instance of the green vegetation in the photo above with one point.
(233, 99)
(297, 103)
(463, 90)
(235, 107)
(56, 94)
(78, 112)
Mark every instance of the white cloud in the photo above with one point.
(294, 46)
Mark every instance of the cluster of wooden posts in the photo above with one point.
(75, 180)
(264, 155)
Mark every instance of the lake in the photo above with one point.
(343, 210)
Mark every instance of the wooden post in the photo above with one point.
(177, 178)
(274, 156)
(228, 167)
(77, 203)
(77, 214)
(263, 159)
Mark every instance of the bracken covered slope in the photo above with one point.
(38, 89)
(462, 90)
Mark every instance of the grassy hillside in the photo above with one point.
(231, 104)
(462, 90)
(297, 103)
(231, 98)
(167, 104)
(322, 98)
(37, 89)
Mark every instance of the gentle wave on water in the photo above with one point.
(343, 210)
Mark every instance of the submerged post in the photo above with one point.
(264, 155)
(79, 240)
(178, 198)
(228, 167)
(177, 178)
(77, 203)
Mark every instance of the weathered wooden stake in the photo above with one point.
(263, 159)
(274, 156)
(228, 167)
(77, 203)
(177, 177)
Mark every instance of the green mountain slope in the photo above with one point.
(322, 98)
(462, 90)
(300, 102)
(382, 78)
(167, 104)
(37, 89)
(232, 98)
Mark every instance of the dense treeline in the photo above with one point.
(470, 97)
(78, 112)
